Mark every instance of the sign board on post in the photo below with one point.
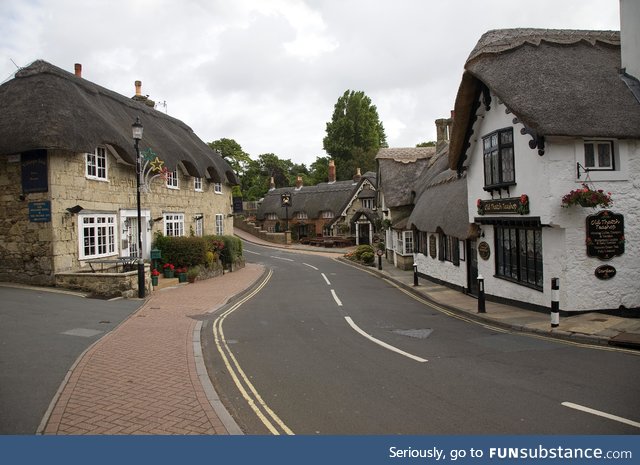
(605, 235)
(285, 198)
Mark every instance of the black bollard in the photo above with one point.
(481, 305)
(555, 302)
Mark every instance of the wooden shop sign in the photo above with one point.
(484, 250)
(605, 272)
(605, 235)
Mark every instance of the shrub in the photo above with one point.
(367, 258)
(231, 250)
(362, 249)
(182, 251)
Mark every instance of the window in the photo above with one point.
(408, 242)
(174, 224)
(199, 225)
(367, 203)
(449, 249)
(197, 184)
(598, 155)
(96, 164)
(217, 187)
(272, 216)
(219, 224)
(97, 236)
(172, 179)
(302, 216)
(423, 243)
(519, 255)
(499, 169)
(327, 214)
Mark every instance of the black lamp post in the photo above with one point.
(137, 135)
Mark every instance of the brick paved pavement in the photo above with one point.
(141, 378)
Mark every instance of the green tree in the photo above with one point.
(233, 153)
(319, 170)
(431, 143)
(354, 134)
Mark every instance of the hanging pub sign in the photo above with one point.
(285, 198)
(605, 235)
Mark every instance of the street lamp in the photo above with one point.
(136, 129)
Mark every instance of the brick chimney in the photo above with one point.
(299, 183)
(332, 171)
(142, 98)
(78, 69)
(357, 176)
(443, 131)
(272, 184)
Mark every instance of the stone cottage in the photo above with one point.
(68, 176)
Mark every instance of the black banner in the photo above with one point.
(34, 171)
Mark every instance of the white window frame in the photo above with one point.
(217, 187)
(327, 214)
(199, 229)
(302, 216)
(96, 164)
(272, 216)
(367, 203)
(197, 184)
(173, 181)
(102, 240)
(173, 224)
(219, 224)
(407, 239)
(595, 166)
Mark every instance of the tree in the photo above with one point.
(431, 143)
(233, 153)
(354, 134)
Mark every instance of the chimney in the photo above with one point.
(443, 131)
(272, 184)
(358, 176)
(78, 69)
(332, 171)
(299, 183)
(142, 98)
(138, 85)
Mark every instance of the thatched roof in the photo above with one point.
(313, 200)
(556, 82)
(45, 107)
(442, 202)
(399, 170)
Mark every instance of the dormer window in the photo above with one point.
(499, 167)
(302, 216)
(217, 187)
(327, 214)
(172, 179)
(197, 184)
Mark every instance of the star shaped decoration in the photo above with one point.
(157, 165)
(149, 154)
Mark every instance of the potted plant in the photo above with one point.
(182, 274)
(168, 270)
(587, 197)
(193, 273)
(154, 277)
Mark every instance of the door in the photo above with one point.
(363, 233)
(472, 271)
(129, 238)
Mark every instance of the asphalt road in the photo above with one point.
(306, 355)
(42, 333)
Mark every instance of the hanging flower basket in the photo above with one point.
(587, 197)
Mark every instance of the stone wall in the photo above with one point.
(105, 284)
(251, 228)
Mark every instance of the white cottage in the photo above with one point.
(538, 114)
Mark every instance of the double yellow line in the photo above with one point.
(267, 416)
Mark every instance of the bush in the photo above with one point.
(362, 249)
(231, 249)
(367, 258)
(181, 251)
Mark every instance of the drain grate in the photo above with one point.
(414, 333)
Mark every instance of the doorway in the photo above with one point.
(472, 271)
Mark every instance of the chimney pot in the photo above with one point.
(299, 182)
(272, 184)
(357, 176)
(138, 85)
(78, 69)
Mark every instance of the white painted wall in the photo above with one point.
(545, 179)
(444, 271)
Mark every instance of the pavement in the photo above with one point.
(147, 376)
(588, 328)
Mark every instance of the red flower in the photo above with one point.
(168, 266)
(155, 272)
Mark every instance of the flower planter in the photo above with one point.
(168, 273)
(182, 277)
(154, 280)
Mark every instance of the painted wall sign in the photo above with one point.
(34, 171)
(40, 212)
(432, 246)
(484, 251)
(605, 272)
(510, 206)
(605, 235)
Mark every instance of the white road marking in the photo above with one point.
(311, 266)
(282, 258)
(326, 279)
(251, 251)
(582, 408)
(335, 297)
(383, 344)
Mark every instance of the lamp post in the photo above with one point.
(137, 135)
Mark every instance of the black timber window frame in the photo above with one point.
(519, 255)
(498, 159)
(449, 249)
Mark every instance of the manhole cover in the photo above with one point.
(415, 333)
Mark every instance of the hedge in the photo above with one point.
(192, 251)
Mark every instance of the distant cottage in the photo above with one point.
(68, 176)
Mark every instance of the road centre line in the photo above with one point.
(236, 372)
(282, 258)
(335, 297)
(357, 329)
(582, 408)
(326, 279)
(311, 266)
(251, 251)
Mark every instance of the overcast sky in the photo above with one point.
(267, 73)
